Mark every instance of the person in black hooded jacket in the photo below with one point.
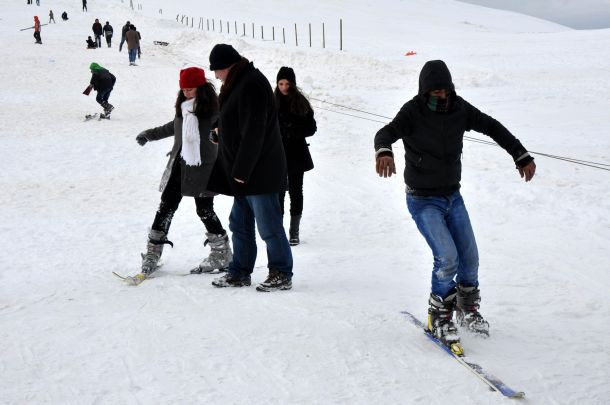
(295, 116)
(432, 127)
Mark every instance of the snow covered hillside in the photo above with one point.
(78, 198)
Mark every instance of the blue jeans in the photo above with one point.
(265, 208)
(132, 55)
(444, 223)
(103, 95)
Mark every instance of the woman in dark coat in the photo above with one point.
(188, 171)
(295, 116)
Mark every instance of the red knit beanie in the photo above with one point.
(192, 77)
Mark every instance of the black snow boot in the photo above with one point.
(275, 281)
(440, 321)
(467, 311)
(293, 232)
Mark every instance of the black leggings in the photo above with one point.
(170, 200)
(295, 190)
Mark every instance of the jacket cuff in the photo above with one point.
(383, 151)
(524, 160)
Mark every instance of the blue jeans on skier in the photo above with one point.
(444, 223)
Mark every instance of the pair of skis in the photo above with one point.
(494, 383)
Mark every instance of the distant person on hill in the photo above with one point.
(108, 33)
(38, 2)
(64, 16)
(431, 127)
(123, 33)
(102, 81)
(133, 43)
(97, 31)
(51, 17)
(37, 30)
(188, 170)
(84, 5)
(296, 120)
(90, 43)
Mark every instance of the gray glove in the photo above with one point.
(141, 138)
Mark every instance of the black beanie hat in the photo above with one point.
(286, 73)
(223, 56)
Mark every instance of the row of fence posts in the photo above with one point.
(205, 24)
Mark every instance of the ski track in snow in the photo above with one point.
(78, 198)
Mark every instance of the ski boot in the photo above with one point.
(107, 109)
(293, 232)
(467, 311)
(440, 322)
(150, 259)
(220, 255)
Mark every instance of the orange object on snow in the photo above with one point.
(410, 53)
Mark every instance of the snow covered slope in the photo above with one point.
(77, 199)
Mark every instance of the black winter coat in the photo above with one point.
(433, 141)
(194, 180)
(294, 129)
(250, 145)
(102, 80)
(97, 28)
(108, 30)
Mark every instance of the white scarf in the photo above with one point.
(190, 134)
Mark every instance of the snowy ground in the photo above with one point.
(78, 198)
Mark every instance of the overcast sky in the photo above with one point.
(580, 14)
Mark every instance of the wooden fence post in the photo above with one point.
(310, 35)
(284, 35)
(323, 37)
(341, 34)
(296, 36)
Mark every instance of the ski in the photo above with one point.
(492, 381)
(89, 117)
(132, 280)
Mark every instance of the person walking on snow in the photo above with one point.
(432, 126)
(295, 117)
(84, 5)
(133, 44)
(123, 33)
(102, 81)
(187, 172)
(51, 17)
(97, 32)
(37, 30)
(251, 166)
(108, 33)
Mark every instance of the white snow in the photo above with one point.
(78, 198)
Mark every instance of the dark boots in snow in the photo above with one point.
(294, 230)
(467, 310)
(276, 280)
(440, 321)
(220, 255)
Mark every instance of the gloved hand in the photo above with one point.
(141, 138)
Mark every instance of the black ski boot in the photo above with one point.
(293, 232)
(440, 322)
(467, 311)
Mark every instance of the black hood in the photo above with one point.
(434, 75)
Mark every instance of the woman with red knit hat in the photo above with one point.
(188, 171)
(37, 30)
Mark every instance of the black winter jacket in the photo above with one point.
(108, 30)
(295, 128)
(250, 145)
(102, 80)
(433, 141)
(97, 28)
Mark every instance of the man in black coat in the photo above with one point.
(108, 33)
(251, 166)
(124, 30)
(97, 31)
(432, 127)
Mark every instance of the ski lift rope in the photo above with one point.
(595, 165)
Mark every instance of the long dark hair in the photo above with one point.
(297, 103)
(206, 101)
